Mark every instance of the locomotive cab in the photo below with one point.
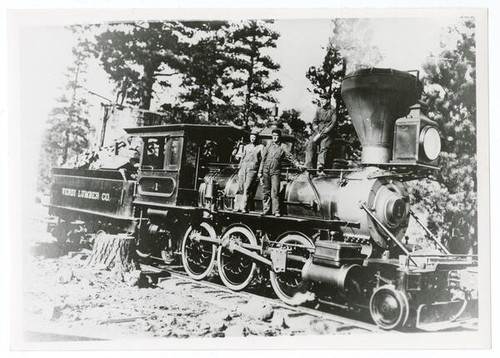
(176, 157)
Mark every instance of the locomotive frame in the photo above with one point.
(340, 241)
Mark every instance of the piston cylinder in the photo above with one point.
(337, 277)
(157, 213)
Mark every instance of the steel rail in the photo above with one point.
(344, 321)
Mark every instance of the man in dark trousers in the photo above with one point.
(270, 169)
(323, 124)
(311, 148)
(247, 175)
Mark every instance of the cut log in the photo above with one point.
(113, 252)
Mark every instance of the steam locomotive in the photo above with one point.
(342, 239)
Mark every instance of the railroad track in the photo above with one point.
(213, 288)
(322, 310)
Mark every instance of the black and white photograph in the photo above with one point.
(250, 178)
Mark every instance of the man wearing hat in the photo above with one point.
(247, 175)
(270, 170)
(323, 124)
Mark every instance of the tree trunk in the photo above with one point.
(105, 118)
(148, 82)
(113, 252)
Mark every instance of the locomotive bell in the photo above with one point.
(375, 98)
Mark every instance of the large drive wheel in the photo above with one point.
(389, 307)
(198, 257)
(288, 285)
(235, 269)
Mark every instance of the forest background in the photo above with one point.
(223, 72)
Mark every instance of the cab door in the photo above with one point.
(189, 173)
(158, 177)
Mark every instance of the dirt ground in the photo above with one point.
(65, 299)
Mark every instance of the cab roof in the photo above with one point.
(198, 130)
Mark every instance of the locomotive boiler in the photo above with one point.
(343, 238)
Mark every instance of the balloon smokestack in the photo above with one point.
(375, 98)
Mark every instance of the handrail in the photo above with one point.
(401, 246)
(316, 194)
(442, 255)
(345, 170)
(389, 234)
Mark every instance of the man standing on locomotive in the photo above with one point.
(270, 169)
(311, 148)
(249, 165)
(323, 124)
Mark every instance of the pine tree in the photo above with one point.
(68, 127)
(137, 57)
(326, 84)
(450, 90)
(291, 119)
(248, 43)
(204, 70)
(326, 79)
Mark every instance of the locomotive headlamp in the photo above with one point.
(430, 142)
(416, 140)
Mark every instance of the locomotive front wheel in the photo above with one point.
(288, 285)
(389, 307)
(198, 257)
(235, 269)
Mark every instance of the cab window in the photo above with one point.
(154, 153)
(210, 151)
(174, 150)
(188, 178)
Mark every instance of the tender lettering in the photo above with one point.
(68, 192)
(86, 194)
